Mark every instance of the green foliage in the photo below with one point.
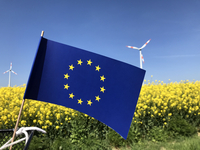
(194, 145)
(180, 127)
(183, 143)
(60, 143)
(84, 127)
(40, 143)
(117, 141)
(158, 134)
(88, 133)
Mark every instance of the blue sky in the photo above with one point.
(105, 27)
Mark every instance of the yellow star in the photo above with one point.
(66, 76)
(71, 67)
(102, 78)
(97, 68)
(102, 89)
(80, 101)
(66, 86)
(97, 98)
(89, 62)
(79, 62)
(89, 102)
(71, 96)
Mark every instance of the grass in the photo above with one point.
(181, 143)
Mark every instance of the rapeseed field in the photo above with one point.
(157, 103)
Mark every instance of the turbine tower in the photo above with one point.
(140, 49)
(10, 70)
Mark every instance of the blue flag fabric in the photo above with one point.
(101, 87)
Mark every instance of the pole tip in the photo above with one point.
(42, 33)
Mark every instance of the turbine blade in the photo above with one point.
(10, 65)
(5, 71)
(14, 72)
(145, 44)
(133, 47)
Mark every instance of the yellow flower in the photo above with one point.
(156, 99)
(170, 114)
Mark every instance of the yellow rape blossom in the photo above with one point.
(158, 101)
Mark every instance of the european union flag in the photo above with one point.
(101, 87)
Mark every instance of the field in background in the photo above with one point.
(164, 111)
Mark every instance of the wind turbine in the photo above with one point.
(140, 49)
(10, 70)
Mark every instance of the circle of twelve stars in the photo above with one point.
(102, 78)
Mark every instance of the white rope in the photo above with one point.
(19, 132)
